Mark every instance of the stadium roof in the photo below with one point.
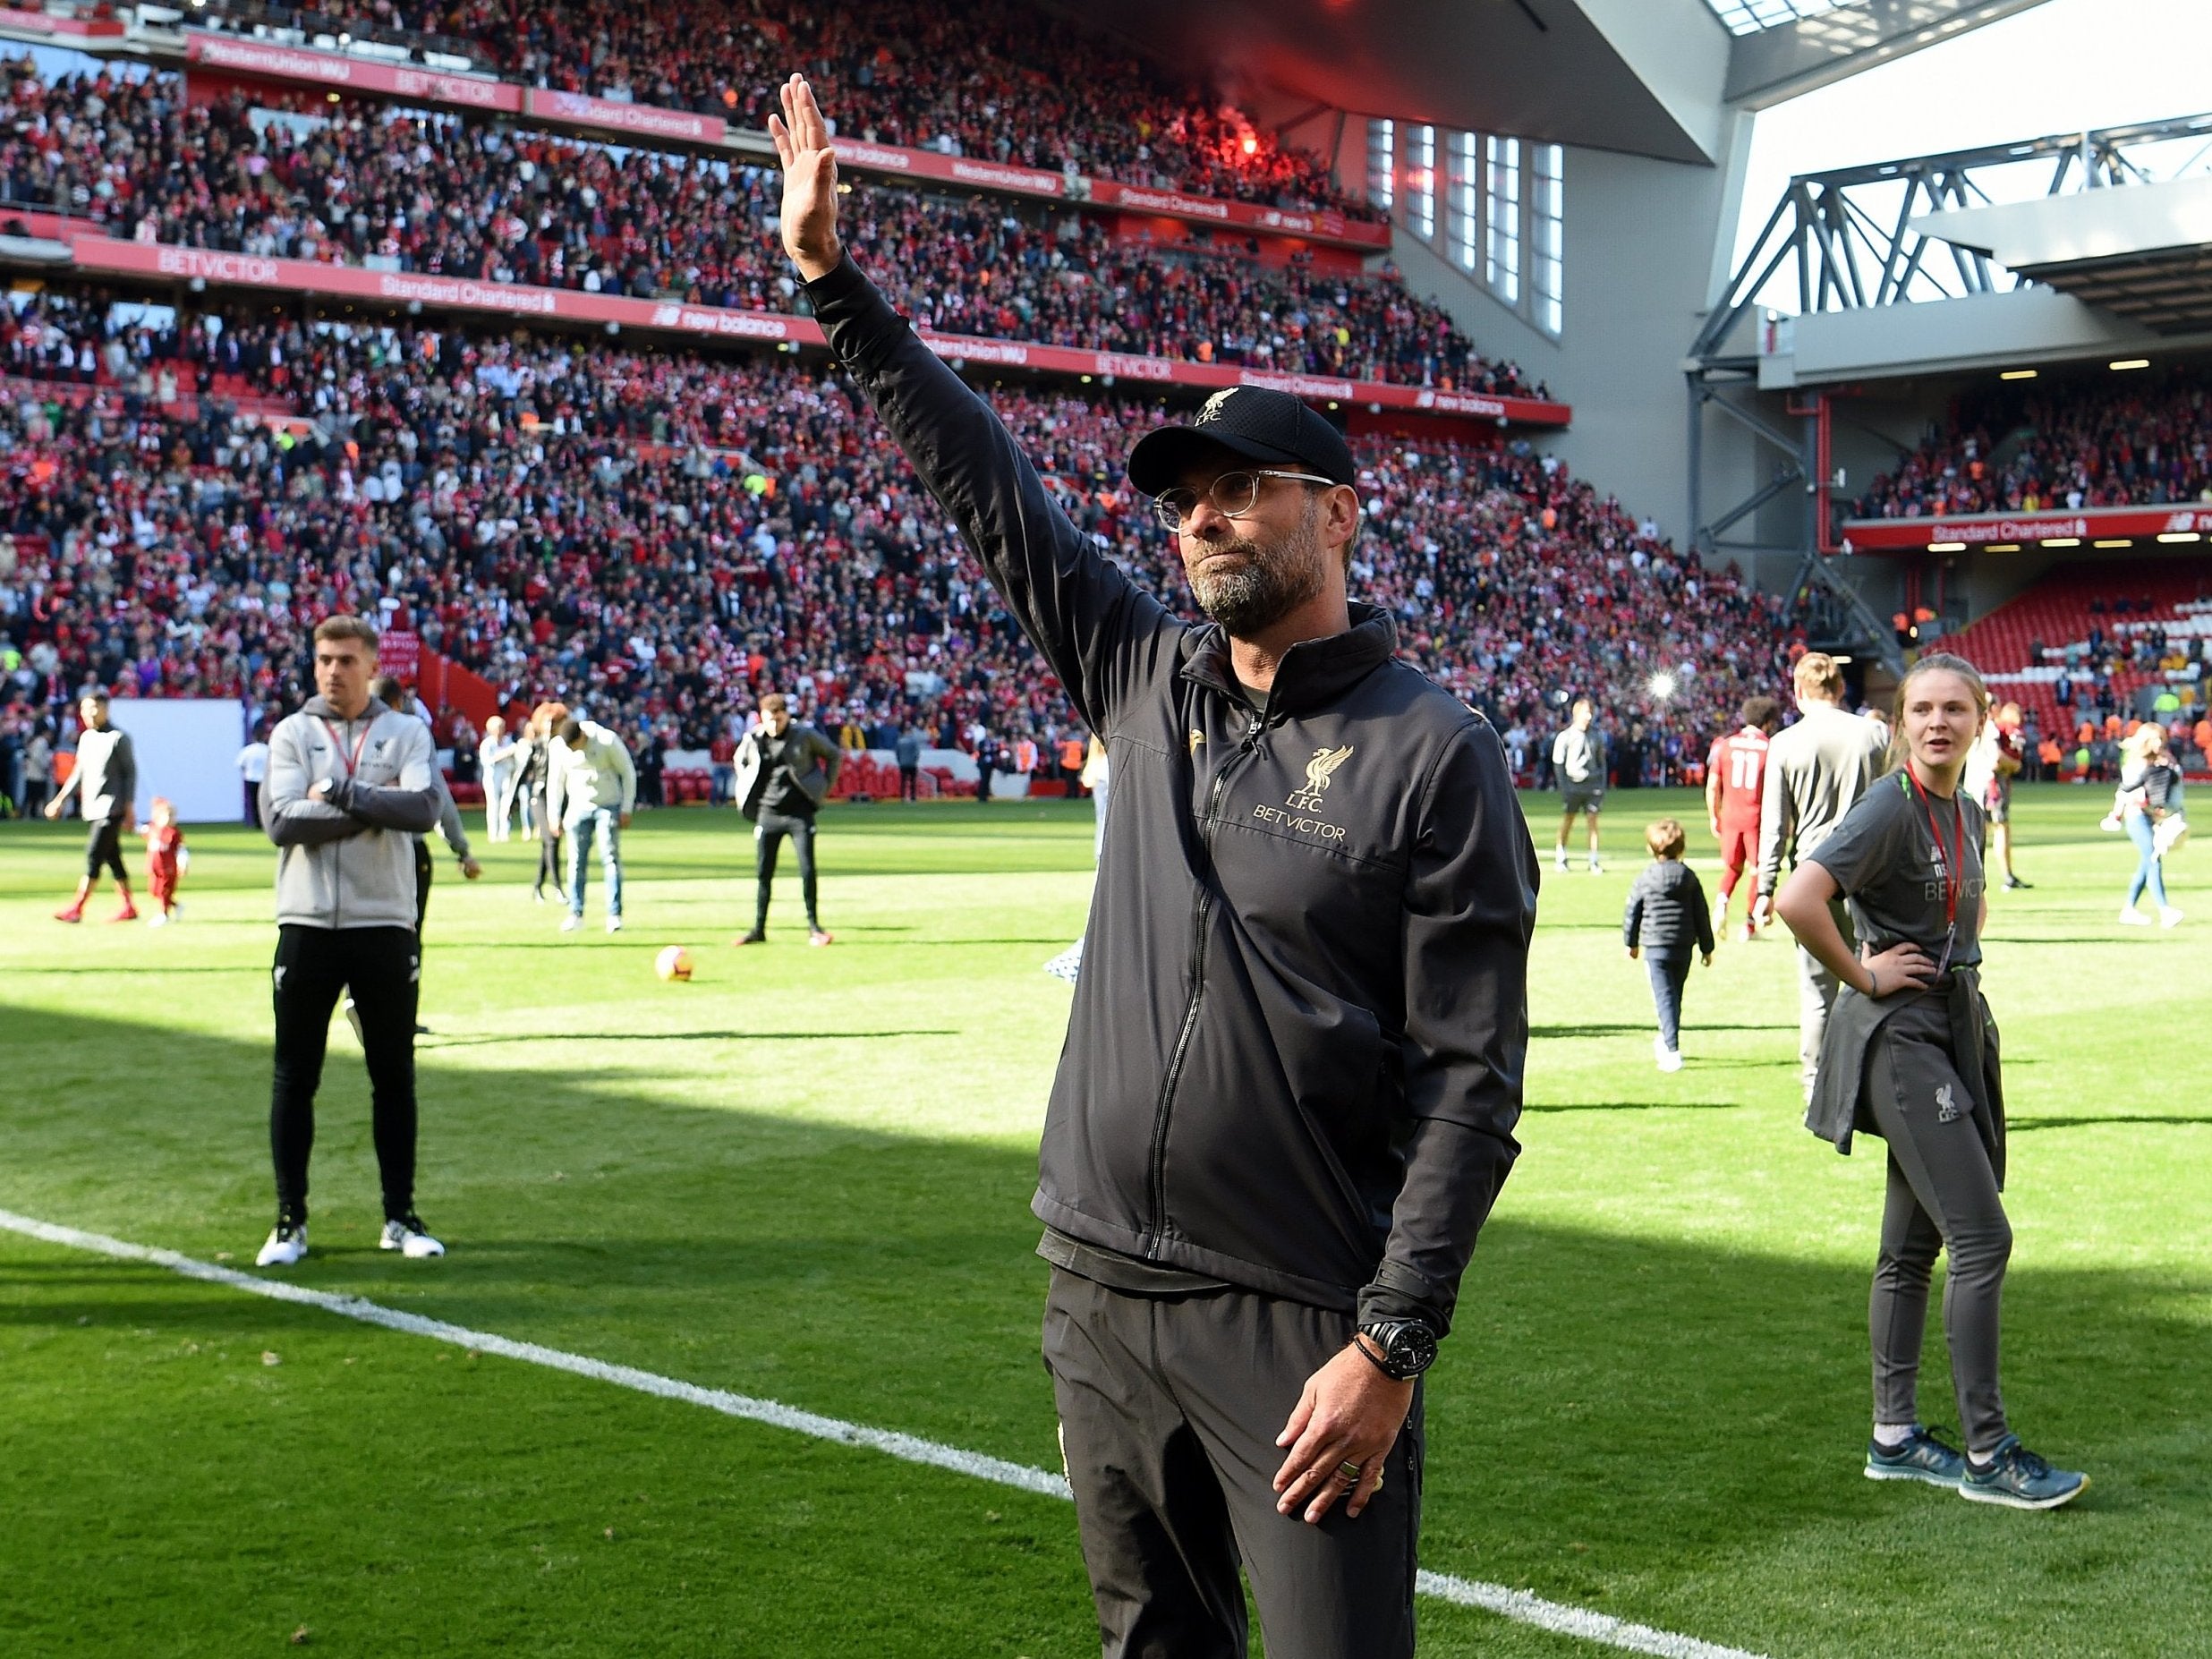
(1647, 77)
(2142, 251)
(1747, 17)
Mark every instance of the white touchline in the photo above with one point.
(1524, 1607)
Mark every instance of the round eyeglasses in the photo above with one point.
(1232, 495)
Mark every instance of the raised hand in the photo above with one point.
(810, 195)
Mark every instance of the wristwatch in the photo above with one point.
(1407, 1347)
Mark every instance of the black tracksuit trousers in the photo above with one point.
(768, 839)
(1168, 1408)
(380, 966)
(426, 867)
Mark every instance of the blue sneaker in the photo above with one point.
(2017, 1478)
(1922, 1457)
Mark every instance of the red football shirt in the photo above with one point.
(1739, 761)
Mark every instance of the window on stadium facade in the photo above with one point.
(1501, 250)
(1421, 182)
(1463, 200)
(1383, 163)
(1547, 237)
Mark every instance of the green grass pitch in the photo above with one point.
(804, 1176)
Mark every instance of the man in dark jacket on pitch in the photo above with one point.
(785, 770)
(1294, 1064)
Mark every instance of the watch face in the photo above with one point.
(1411, 1348)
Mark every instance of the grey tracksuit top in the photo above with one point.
(347, 859)
(1815, 769)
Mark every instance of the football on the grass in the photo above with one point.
(674, 963)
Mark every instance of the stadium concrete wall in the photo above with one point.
(187, 749)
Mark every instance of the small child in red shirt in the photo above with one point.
(166, 860)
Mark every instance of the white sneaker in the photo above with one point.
(2130, 916)
(286, 1245)
(570, 925)
(407, 1237)
(2168, 917)
(157, 920)
(614, 925)
(1670, 1060)
(1596, 868)
(1561, 860)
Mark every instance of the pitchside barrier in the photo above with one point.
(187, 750)
(687, 778)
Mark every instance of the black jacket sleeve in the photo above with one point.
(1633, 918)
(832, 760)
(1100, 631)
(1470, 907)
(1701, 912)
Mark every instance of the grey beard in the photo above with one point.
(1273, 582)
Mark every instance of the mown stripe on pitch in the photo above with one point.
(1522, 1606)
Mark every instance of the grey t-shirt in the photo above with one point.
(1893, 873)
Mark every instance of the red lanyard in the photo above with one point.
(353, 765)
(1954, 868)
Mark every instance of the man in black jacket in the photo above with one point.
(785, 771)
(1294, 1064)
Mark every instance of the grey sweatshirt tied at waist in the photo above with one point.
(1836, 1111)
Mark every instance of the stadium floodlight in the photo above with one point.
(1946, 547)
(1660, 685)
(2116, 541)
(2181, 535)
(2017, 374)
(2062, 541)
(2130, 363)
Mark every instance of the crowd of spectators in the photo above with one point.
(660, 537)
(2128, 439)
(991, 79)
(359, 184)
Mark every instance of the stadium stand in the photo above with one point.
(2114, 441)
(355, 184)
(663, 535)
(981, 81)
(2082, 645)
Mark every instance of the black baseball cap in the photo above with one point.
(1259, 424)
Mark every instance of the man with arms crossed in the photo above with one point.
(351, 784)
(1294, 1063)
(1579, 758)
(1814, 771)
(590, 793)
(106, 785)
(785, 770)
(1735, 793)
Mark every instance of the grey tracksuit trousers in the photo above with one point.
(1169, 1408)
(1943, 1195)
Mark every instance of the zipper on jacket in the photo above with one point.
(1200, 915)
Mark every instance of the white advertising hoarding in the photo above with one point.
(187, 749)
